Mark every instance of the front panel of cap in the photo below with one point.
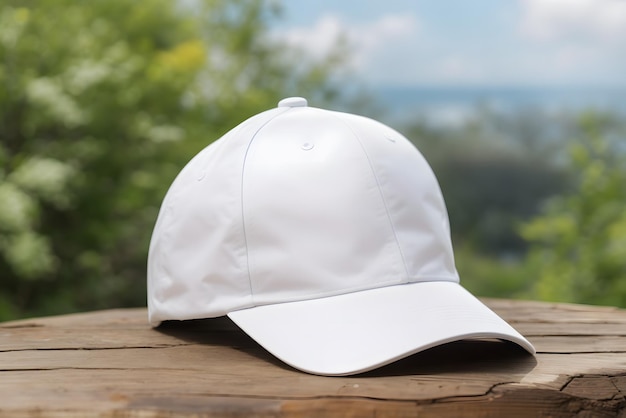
(315, 220)
(197, 264)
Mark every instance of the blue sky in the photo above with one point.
(467, 43)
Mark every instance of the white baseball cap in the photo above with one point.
(323, 235)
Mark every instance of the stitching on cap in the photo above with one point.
(380, 190)
(347, 291)
(243, 221)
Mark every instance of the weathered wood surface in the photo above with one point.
(111, 363)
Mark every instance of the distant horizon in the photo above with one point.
(509, 86)
(448, 104)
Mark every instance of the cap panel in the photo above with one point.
(315, 221)
(197, 265)
(412, 197)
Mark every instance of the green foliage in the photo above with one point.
(101, 104)
(578, 243)
(528, 218)
(494, 171)
(490, 276)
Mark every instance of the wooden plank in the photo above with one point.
(116, 318)
(84, 338)
(571, 344)
(503, 402)
(552, 339)
(253, 372)
(112, 363)
(240, 373)
(530, 329)
(170, 391)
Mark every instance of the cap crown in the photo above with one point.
(296, 203)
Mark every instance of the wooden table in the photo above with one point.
(111, 363)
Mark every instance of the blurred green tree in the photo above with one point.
(578, 243)
(495, 170)
(101, 104)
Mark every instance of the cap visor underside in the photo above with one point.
(361, 331)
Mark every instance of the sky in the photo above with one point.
(467, 43)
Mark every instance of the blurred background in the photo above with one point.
(520, 108)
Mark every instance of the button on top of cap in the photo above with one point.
(293, 102)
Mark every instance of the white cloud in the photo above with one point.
(516, 43)
(365, 40)
(317, 40)
(574, 41)
(557, 19)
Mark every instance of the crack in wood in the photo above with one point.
(160, 346)
(47, 369)
(619, 391)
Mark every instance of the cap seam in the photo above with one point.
(243, 219)
(323, 295)
(380, 191)
(161, 270)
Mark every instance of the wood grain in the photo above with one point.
(112, 364)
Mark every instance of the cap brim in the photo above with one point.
(360, 331)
